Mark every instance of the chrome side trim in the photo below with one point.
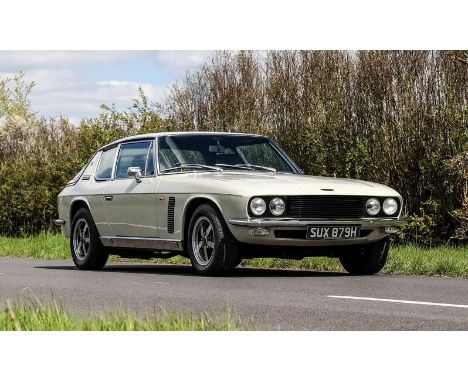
(59, 222)
(302, 223)
(142, 243)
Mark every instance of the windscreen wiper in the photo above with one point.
(235, 166)
(247, 166)
(191, 166)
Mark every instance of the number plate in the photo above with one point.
(324, 232)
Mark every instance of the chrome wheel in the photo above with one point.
(81, 239)
(203, 241)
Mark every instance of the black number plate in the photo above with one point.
(323, 232)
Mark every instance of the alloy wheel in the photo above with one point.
(203, 241)
(81, 239)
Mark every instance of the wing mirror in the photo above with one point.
(134, 172)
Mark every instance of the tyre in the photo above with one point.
(366, 260)
(212, 249)
(87, 251)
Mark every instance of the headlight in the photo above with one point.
(373, 206)
(257, 206)
(277, 206)
(390, 206)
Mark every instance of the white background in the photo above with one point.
(241, 24)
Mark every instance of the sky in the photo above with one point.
(75, 83)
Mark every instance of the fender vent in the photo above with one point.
(170, 214)
(85, 177)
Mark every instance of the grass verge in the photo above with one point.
(411, 260)
(54, 317)
(405, 260)
(44, 246)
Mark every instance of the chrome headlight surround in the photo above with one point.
(277, 206)
(390, 206)
(373, 206)
(257, 206)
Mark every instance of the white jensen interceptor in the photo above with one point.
(218, 198)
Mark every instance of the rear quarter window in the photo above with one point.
(106, 164)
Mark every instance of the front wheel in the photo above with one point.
(211, 247)
(366, 260)
(87, 251)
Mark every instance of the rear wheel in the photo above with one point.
(87, 251)
(366, 260)
(211, 247)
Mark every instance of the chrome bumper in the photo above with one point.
(288, 222)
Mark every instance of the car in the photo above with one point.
(219, 198)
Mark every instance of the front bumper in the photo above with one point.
(287, 222)
(372, 229)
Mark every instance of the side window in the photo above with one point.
(104, 171)
(133, 155)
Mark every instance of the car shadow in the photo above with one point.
(187, 270)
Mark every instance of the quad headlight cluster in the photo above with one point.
(389, 206)
(276, 206)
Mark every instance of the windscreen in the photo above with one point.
(229, 152)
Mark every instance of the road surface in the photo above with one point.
(264, 299)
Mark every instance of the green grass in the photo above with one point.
(54, 317)
(405, 260)
(44, 246)
(411, 260)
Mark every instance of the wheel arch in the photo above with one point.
(190, 208)
(75, 205)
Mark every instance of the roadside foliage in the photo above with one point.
(36, 315)
(393, 117)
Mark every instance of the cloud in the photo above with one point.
(15, 61)
(178, 61)
(171, 60)
(75, 83)
(65, 93)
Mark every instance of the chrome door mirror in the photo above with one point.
(134, 172)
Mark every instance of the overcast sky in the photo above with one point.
(76, 83)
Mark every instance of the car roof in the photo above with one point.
(154, 135)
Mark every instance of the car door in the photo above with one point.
(130, 205)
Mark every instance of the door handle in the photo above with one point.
(108, 198)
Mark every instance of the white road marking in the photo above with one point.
(402, 301)
(160, 282)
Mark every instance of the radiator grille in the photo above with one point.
(326, 207)
(170, 214)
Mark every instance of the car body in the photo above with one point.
(141, 193)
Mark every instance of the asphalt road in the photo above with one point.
(265, 299)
